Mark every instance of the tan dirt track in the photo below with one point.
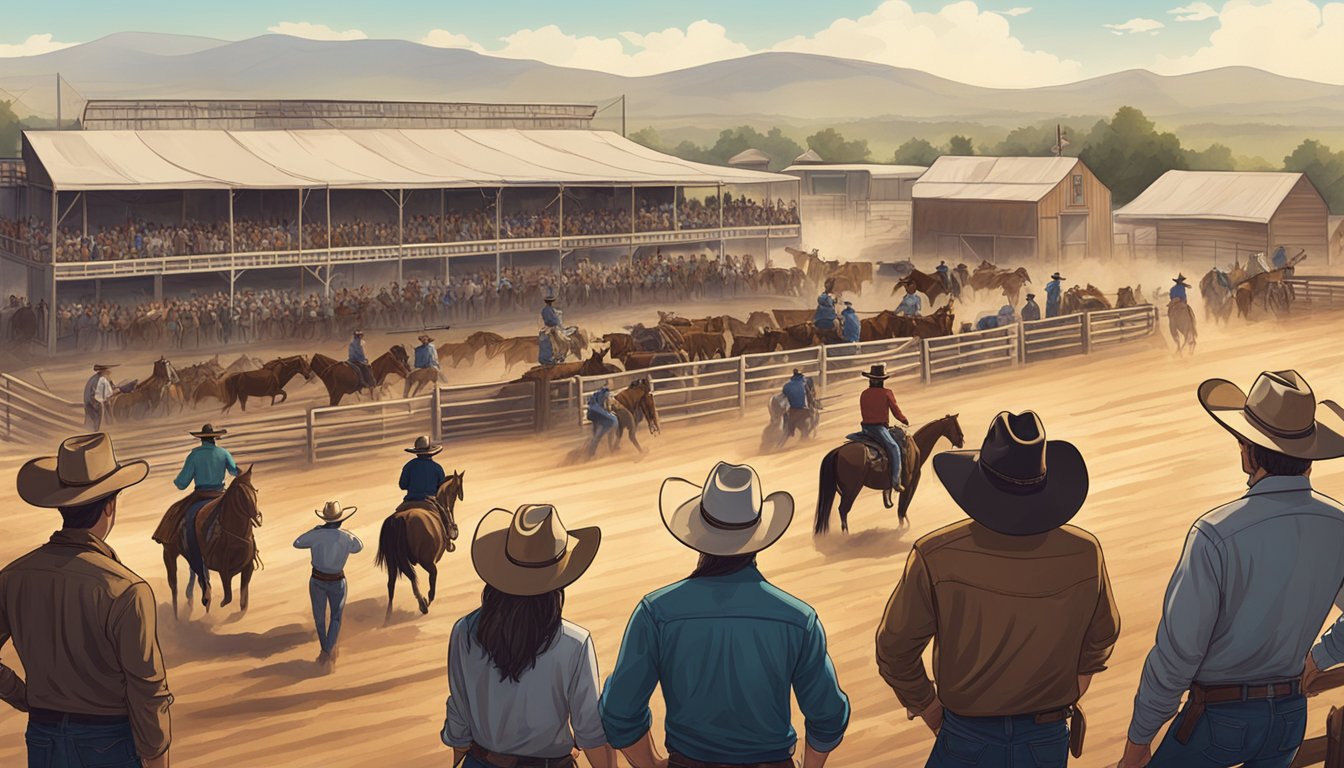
(249, 694)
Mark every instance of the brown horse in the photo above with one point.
(988, 276)
(636, 361)
(222, 529)
(268, 381)
(631, 406)
(1077, 300)
(1181, 324)
(342, 379)
(419, 534)
(1215, 288)
(929, 285)
(850, 468)
(153, 393)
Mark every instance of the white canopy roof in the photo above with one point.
(1013, 179)
(1219, 195)
(875, 170)
(375, 158)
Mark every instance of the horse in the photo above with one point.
(988, 276)
(268, 381)
(849, 469)
(421, 377)
(637, 361)
(631, 406)
(342, 379)
(520, 349)
(785, 421)
(1077, 300)
(223, 535)
(1215, 288)
(1181, 323)
(419, 534)
(1128, 297)
(150, 394)
(929, 285)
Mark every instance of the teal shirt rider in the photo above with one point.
(206, 465)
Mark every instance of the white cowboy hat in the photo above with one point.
(84, 469)
(727, 515)
(530, 552)
(333, 512)
(1280, 413)
(423, 447)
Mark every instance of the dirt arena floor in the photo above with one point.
(249, 693)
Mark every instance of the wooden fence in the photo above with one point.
(1318, 291)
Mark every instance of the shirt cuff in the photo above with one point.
(1322, 656)
(1140, 734)
(818, 744)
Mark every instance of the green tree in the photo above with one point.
(10, 130)
(1325, 169)
(960, 145)
(915, 152)
(781, 149)
(1033, 141)
(833, 148)
(649, 138)
(1218, 157)
(1128, 154)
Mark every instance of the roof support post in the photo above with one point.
(184, 208)
(231, 248)
(84, 199)
(443, 214)
(499, 220)
(299, 238)
(633, 229)
(51, 295)
(767, 255)
(327, 282)
(401, 231)
(676, 205)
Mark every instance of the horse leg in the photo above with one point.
(907, 496)
(243, 582)
(433, 571)
(847, 496)
(170, 564)
(227, 578)
(415, 589)
(391, 592)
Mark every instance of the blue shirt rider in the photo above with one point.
(1053, 290)
(944, 274)
(426, 356)
(795, 391)
(421, 476)
(599, 413)
(1178, 290)
(1031, 310)
(207, 463)
(851, 330)
(910, 305)
(360, 361)
(825, 316)
(550, 316)
(1280, 259)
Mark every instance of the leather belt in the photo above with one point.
(678, 760)
(497, 760)
(52, 717)
(1201, 696)
(322, 576)
(1077, 725)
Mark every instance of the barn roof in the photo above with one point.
(750, 155)
(1014, 179)
(810, 157)
(1214, 195)
(875, 170)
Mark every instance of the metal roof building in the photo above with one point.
(272, 114)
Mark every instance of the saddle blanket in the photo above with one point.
(195, 557)
(877, 453)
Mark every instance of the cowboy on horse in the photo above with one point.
(910, 305)
(205, 466)
(851, 330)
(554, 332)
(1177, 292)
(824, 319)
(795, 391)
(360, 361)
(875, 405)
(426, 356)
(944, 274)
(422, 475)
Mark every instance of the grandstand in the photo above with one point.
(101, 205)
(300, 114)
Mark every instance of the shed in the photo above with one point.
(858, 181)
(810, 157)
(751, 159)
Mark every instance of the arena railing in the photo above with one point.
(1320, 290)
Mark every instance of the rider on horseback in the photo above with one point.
(795, 391)
(426, 356)
(421, 476)
(554, 329)
(1177, 292)
(824, 319)
(360, 361)
(944, 274)
(206, 466)
(875, 404)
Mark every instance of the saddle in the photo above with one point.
(876, 453)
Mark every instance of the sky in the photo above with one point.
(1008, 43)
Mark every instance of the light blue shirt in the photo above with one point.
(910, 305)
(356, 353)
(1253, 586)
(329, 547)
(550, 316)
(206, 465)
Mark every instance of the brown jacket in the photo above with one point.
(1014, 620)
(84, 627)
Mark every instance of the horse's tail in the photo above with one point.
(826, 492)
(394, 552)
(230, 390)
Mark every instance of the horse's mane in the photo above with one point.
(239, 501)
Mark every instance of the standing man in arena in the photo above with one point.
(1031, 310)
(1053, 291)
(824, 319)
(850, 328)
(910, 305)
(876, 405)
(97, 391)
(360, 361)
(330, 547)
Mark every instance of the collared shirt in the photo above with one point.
(550, 316)
(1177, 292)
(875, 403)
(910, 305)
(598, 400)
(356, 352)
(1014, 620)
(795, 389)
(98, 389)
(550, 710)
(329, 547)
(851, 327)
(426, 356)
(84, 627)
(1052, 291)
(726, 650)
(206, 465)
(1253, 587)
(421, 478)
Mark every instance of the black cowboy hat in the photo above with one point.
(1018, 483)
(101, 367)
(1058, 276)
(1031, 295)
(877, 372)
(1178, 279)
(209, 432)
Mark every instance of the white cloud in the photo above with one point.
(1296, 38)
(442, 38)
(959, 42)
(1194, 12)
(312, 31)
(1135, 26)
(35, 45)
(1019, 11)
(631, 53)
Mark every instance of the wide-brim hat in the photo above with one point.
(1178, 279)
(424, 339)
(359, 333)
(1058, 276)
(728, 515)
(530, 552)
(1280, 413)
(84, 469)
(209, 431)
(1031, 295)
(333, 512)
(101, 367)
(1018, 483)
(876, 372)
(423, 447)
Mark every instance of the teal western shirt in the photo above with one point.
(727, 650)
(206, 465)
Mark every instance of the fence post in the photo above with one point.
(312, 443)
(9, 410)
(1087, 333)
(821, 367)
(741, 382)
(576, 391)
(926, 372)
(436, 414)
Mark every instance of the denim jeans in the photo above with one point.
(999, 742)
(883, 435)
(81, 746)
(1256, 734)
(323, 594)
(603, 422)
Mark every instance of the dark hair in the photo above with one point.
(514, 630)
(877, 383)
(1275, 463)
(86, 516)
(721, 565)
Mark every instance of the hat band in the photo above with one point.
(723, 526)
(1013, 484)
(1276, 431)
(547, 564)
(94, 481)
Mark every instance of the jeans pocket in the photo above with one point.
(1227, 737)
(1050, 753)
(959, 748)
(1293, 719)
(41, 751)
(106, 752)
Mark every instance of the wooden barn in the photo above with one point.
(1217, 217)
(1011, 210)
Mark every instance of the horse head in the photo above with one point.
(952, 429)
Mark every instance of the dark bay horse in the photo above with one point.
(847, 469)
(268, 381)
(223, 532)
(148, 395)
(342, 379)
(418, 534)
(631, 406)
(784, 421)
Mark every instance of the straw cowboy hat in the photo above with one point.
(728, 515)
(333, 512)
(1018, 483)
(423, 447)
(209, 432)
(530, 552)
(875, 372)
(1280, 413)
(84, 469)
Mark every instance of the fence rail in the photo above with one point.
(1318, 290)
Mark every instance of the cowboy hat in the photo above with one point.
(84, 469)
(530, 552)
(100, 367)
(424, 338)
(359, 333)
(875, 372)
(1018, 483)
(727, 515)
(1178, 279)
(1031, 295)
(1058, 276)
(333, 512)
(209, 431)
(1280, 413)
(423, 447)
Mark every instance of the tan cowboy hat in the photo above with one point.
(726, 516)
(423, 447)
(333, 512)
(530, 552)
(1018, 483)
(100, 367)
(209, 431)
(84, 469)
(424, 338)
(1280, 413)
(876, 372)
